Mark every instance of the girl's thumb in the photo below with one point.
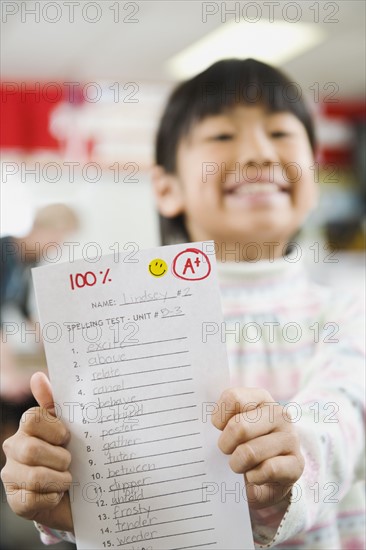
(42, 391)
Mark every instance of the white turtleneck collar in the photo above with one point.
(261, 269)
(261, 285)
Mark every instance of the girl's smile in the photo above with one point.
(261, 189)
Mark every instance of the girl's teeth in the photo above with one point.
(249, 188)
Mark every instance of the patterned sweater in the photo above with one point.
(303, 343)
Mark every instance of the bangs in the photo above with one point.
(234, 82)
(221, 87)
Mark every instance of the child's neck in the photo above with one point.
(249, 252)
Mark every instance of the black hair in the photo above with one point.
(222, 86)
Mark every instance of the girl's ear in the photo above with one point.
(167, 191)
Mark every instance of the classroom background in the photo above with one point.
(82, 87)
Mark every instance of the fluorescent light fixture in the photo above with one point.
(275, 43)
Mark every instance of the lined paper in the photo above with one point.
(136, 378)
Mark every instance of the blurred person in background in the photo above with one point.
(52, 224)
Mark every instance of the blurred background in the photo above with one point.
(82, 88)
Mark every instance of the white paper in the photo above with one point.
(135, 380)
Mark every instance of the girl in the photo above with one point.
(234, 158)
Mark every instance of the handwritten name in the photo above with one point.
(145, 297)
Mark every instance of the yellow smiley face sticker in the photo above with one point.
(158, 267)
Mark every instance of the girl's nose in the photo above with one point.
(255, 149)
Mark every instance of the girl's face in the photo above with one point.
(243, 176)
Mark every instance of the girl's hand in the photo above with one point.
(263, 444)
(36, 476)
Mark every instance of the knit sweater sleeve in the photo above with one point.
(52, 536)
(329, 412)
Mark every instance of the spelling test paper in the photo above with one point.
(136, 370)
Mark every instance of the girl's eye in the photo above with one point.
(279, 134)
(222, 137)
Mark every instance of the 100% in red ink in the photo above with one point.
(80, 280)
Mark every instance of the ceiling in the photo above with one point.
(125, 51)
